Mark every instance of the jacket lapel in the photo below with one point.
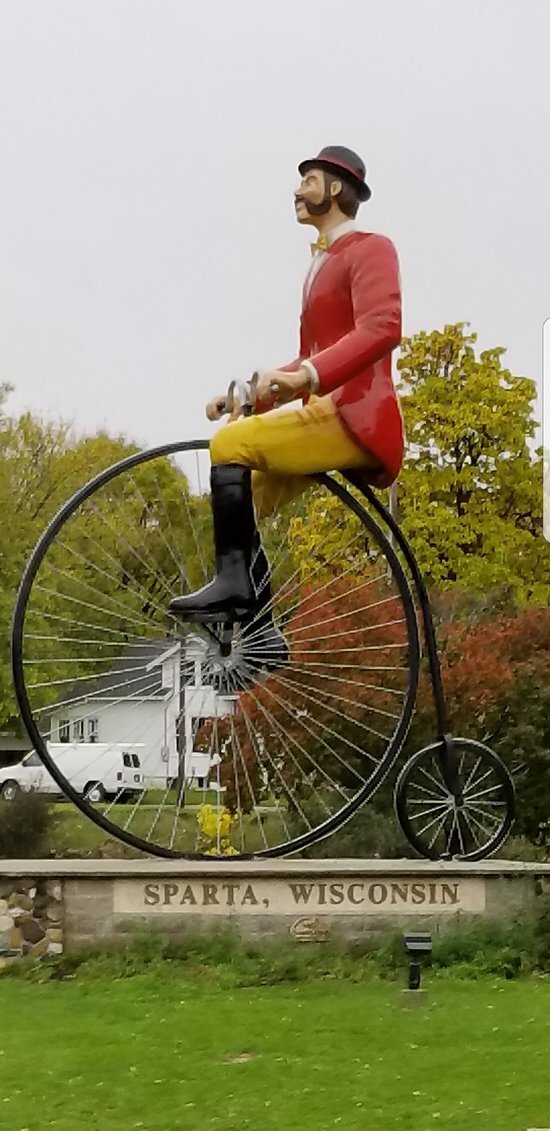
(330, 257)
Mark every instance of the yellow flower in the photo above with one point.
(215, 825)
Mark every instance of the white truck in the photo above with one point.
(96, 770)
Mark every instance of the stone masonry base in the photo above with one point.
(47, 906)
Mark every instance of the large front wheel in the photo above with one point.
(223, 753)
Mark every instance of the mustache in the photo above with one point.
(314, 209)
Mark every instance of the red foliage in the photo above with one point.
(330, 714)
(483, 658)
(328, 717)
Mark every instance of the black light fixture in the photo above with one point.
(416, 944)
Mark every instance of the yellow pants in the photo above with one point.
(285, 448)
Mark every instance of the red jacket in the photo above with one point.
(350, 323)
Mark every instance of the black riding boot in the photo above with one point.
(231, 593)
(264, 645)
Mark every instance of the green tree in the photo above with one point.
(471, 489)
(115, 563)
(41, 465)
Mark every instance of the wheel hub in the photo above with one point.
(226, 666)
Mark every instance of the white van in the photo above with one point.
(97, 770)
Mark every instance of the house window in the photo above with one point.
(64, 730)
(92, 730)
(78, 730)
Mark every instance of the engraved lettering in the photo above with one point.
(356, 894)
(170, 893)
(400, 891)
(151, 895)
(231, 888)
(378, 893)
(301, 892)
(450, 890)
(418, 893)
(351, 896)
(336, 893)
(249, 896)
(209, 895)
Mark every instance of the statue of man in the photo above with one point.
(349, 417)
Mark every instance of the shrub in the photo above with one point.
(26, 827)
(219, 957)
(370, 833)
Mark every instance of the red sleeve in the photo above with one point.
(376, 299)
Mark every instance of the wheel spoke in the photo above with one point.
(431, 823)
(435, 808)
(439, 829)
(440, 787)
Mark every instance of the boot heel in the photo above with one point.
(241, 614)
(209, 616)
(198, 616)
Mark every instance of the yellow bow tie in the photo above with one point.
(320, 245)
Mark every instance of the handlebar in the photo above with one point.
(246, 392)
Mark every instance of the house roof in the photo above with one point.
(135, 674)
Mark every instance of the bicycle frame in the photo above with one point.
(448, 759)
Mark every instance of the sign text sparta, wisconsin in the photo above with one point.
(287, 897)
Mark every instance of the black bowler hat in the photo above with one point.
(342, 161)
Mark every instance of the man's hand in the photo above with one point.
(274, 384)
(216, 407)
(283, 386)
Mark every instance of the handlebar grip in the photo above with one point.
(246, 391)
(273, 388)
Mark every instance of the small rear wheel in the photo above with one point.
(440, 825)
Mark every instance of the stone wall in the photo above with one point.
(31, 916)
(48, 905)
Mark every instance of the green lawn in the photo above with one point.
(76, 834)
(159, 1053)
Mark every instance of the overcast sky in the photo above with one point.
(148, 148)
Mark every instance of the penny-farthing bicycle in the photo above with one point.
(195, 715)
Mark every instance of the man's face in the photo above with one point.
(312, 192)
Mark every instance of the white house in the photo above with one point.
(155, 691)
